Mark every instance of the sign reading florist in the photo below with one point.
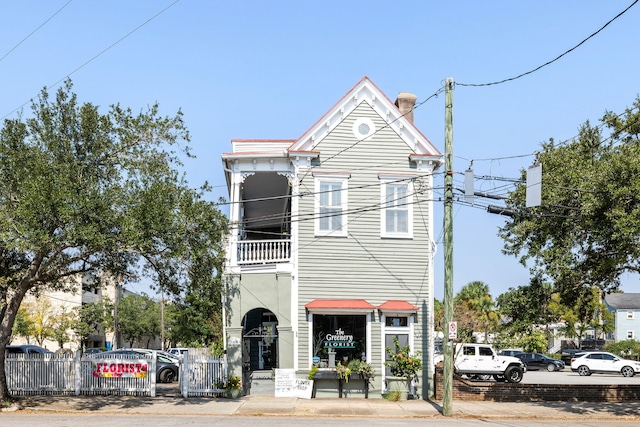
(339, 340)
(120, 369)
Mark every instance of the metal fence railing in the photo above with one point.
(96, 374)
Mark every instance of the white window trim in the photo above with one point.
(343, 179)
(630, 314)
(353, 312)
(631, 335)
(386, 179)
(396, 330)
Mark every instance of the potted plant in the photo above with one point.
(404, 368)
(343, 372)
(232, 386)
(364, 369)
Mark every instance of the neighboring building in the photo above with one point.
(330, 254)
(626, 310)
(83, 293)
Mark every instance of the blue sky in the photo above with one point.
(270, 69)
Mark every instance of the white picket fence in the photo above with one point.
(59, 374)
(201, 375)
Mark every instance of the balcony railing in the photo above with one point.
(264, 251)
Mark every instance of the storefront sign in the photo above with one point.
(339, 340)
(287, 385)
(119, 369)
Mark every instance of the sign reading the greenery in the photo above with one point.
(339, 340)
(119, 369)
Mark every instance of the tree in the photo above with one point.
(60, 325)
(22, 326)
(438, 316)
(99, 196)
(138, 317)
(92, 317)
(474, 310)
(585, 233)
(41, 314)
(524, 310)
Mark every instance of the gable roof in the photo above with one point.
(366, 91)
(623, 301)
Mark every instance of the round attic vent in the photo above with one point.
(363, 128)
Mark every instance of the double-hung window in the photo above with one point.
(331, 204)
(397, 207)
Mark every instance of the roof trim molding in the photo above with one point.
(366, 91)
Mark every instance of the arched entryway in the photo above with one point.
(259, 341)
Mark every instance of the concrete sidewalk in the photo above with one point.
(378, 408)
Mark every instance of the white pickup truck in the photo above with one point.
(481, 361)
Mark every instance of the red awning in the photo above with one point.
(340, 305)
(398, 305)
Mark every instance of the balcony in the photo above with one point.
(264, 251)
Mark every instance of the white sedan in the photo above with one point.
(603, 362)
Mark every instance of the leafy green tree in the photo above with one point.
(199, 317)
(42, 318)
(534, 342)
(438, 315)
(91, 318)
(591, 313)
(61, 324)
(22, 326)
(475, 310)
(138, 317)
(525, 309)
(97, 195)
(585, 233)
(629, 349)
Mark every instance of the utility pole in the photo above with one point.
(447, 379)
(161, 319)
(116, 326)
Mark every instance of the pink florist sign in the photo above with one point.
(120, 369)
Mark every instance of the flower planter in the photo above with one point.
(234, 393)
(401, 385)
(358, 386)
(327, 384)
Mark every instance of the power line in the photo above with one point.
(100, 53)
(34, 31)
(556, 58)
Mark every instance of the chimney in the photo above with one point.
(405, 102)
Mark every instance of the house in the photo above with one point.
(626, 310)
(330, 251)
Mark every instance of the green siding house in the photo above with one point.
(330, 252)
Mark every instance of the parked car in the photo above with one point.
(93, 350)
(173, 357)
(166, 368)
(569, 353)
(537, 361)
(512, 353)
(27, 349)
(178, 351)
(480, 361)
(604, 362)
